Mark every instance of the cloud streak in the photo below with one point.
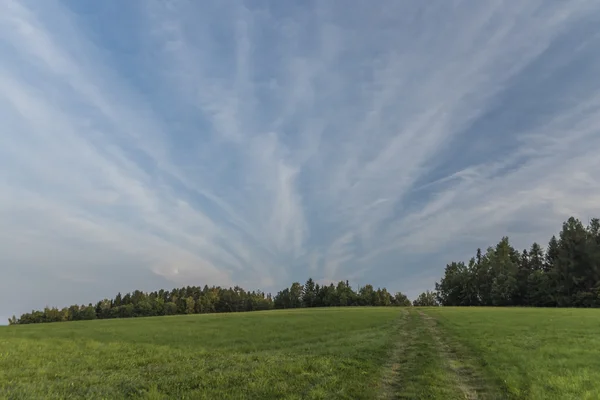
(259, 144)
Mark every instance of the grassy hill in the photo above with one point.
(262, 355)
(352, 353)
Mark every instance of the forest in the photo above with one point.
(564, 274)
(198, 300)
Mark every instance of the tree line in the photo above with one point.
(215, 299)
(564, 274)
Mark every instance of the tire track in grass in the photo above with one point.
(416, 369)
(391, 373)
(464, 368)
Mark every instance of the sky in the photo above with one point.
(159, 144)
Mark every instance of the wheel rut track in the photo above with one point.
(466, 379)
(463, 377)
(393, 373)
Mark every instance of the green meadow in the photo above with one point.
(347, 353)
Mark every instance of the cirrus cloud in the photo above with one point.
(157, 144)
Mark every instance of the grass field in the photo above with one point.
(353, 353)
(529, 353)
(262, 355)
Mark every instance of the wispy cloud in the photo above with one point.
(155, 144)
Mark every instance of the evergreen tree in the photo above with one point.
(551, 254)
(536, 257)
(118, 300)
(504, 266)
(524, 270)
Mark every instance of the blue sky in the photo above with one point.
(155, 144)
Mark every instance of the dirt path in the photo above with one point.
(427, 364)
(465, 376)
(392, 371)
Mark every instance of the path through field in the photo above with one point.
(428, 364)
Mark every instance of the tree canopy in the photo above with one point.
(426, 299)
(565, 274)
(201, 300)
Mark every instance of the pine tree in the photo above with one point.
(551, 254)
